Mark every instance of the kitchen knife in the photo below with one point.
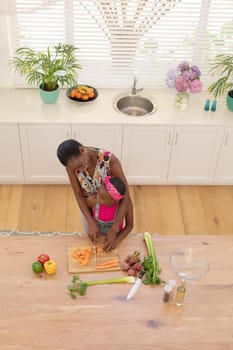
(136, 285)
(95, 252)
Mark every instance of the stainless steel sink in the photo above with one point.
(135, 105)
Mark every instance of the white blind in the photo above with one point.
(115, 37)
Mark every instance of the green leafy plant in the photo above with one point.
(223, 66)
(77, 286)
(55, 66)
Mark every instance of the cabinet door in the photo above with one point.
(39, 146)
(224, 172)
(104, 136)
(146, 153)
(11, 169)
(194, 154)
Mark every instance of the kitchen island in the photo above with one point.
(38, 313)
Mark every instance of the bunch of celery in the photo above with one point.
(78, 286)
(150, 263)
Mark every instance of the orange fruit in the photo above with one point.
(78, 95)
(85, 97)
(73, 93)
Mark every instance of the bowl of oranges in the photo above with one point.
(82, 93)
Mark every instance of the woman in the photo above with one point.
(86, 168)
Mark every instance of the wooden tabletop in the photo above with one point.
(38, 313)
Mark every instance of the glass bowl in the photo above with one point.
(189, 263)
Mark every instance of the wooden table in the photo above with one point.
(37, 312)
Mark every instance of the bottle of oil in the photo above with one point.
(180, 292)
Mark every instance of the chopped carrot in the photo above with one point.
(111, 261)
(82, 255)
(108, 264)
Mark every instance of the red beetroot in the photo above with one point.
(125, 266)
(137, 267)
(132, 264)
(132, 272)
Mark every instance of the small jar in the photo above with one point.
(172, 283)
(167, 293)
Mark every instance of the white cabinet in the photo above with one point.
(106, 136)
(150, 154)
(146, 153)
(194, 154)
(39, 148)
(224, 172)
(11, 169)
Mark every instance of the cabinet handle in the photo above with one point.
(176, 138)
(226, 140)
(169, 138)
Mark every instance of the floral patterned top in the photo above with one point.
(90, 184)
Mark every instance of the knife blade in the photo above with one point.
(95, 251)
(136, 285)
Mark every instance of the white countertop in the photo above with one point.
(26, 106)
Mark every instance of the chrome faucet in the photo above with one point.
(135, 80)
(134, 89)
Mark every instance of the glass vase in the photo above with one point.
(182, 100)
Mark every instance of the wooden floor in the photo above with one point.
(166, 210)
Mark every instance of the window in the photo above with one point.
(116, 37)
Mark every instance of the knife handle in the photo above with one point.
(141, 274)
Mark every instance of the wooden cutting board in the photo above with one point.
(83, 242)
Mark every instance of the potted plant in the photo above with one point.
(223, 65)
(49, 69)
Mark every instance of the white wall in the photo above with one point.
(5, 76)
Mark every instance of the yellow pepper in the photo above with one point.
(50, 267)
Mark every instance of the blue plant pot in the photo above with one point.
(230, 100)
(49, 96)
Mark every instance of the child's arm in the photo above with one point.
(128, 223)
(91, 201)
(111, 241)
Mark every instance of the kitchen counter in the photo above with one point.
(26, 106)
(37, 312)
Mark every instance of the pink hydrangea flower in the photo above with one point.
(181, 84)
(195, 86)
(185, 78)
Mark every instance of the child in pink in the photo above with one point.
(109, 194)
(105, 205)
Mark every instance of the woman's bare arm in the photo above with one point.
(93, 228)
(128, 223)
(117, 171)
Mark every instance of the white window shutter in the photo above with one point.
(115, 37)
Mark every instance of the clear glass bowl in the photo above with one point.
(189, 263)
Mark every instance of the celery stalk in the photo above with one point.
(150, 263)
(126, 279)
(78, 286)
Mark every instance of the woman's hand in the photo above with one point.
(110, 241)
(93, 231)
